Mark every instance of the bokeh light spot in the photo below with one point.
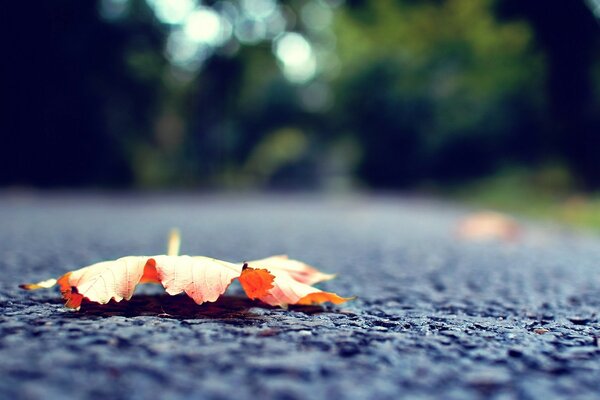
(172, 11)
(258, 9)
(296, 57)
(207, 26)
(250, 31)
(186, 53)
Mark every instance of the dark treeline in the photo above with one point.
(404, 92)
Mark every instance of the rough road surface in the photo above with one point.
(436, 317)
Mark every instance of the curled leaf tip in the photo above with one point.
(40, 285)
(323, 297)
(326, 277)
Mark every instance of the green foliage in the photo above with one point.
(434, 82)
(398, 93)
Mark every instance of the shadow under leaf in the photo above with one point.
(182, 307)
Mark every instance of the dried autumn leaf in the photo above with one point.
(203, 279)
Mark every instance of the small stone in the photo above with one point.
(515, 353)
(268, 332)
(579, 320)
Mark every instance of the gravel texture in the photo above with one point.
(436, 316)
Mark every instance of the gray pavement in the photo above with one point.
(436, 317)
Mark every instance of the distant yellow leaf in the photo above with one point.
(488, 225)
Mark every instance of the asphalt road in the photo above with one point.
(436, 316)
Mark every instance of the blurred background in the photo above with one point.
(492, 101)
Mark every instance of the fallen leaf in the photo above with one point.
(279, 281)
(489, 225)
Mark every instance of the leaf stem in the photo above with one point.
(174, 242)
